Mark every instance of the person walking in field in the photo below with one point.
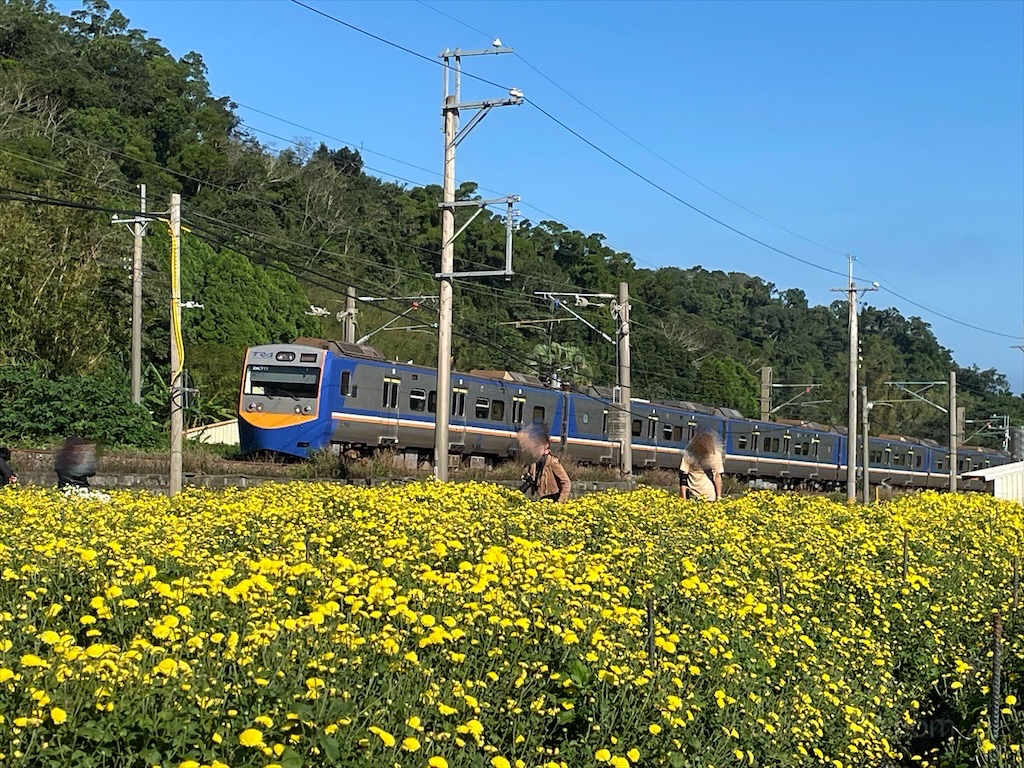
(701, 468)
(545, 476)
(75, 463)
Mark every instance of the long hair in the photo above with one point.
(704, 449)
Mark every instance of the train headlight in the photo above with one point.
(298, 409)
(250, 407)
(259, 407)
(307, 409)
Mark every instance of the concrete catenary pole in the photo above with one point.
(866, 452)
(139, 229)
(625, 398)
(851, 446)
(444, 327)
(176, 389)
(954, 438)
(349, 328)
(766, 393)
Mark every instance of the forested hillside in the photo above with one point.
(90, 108)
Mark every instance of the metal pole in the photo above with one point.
(851, 446)
(349, 329)
(139, 229)
(865, 453)
(444, 327)
(626, 452)
(177, 390)
(953, 436)
(766, 392)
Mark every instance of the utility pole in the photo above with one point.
(452, 137)
(177, 352)
(866, 452)
(953, 436)
(625, 389)
(766, 392)
(851, 437)
(349, 328)
(138, 225)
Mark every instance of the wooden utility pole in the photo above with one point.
(177, 388)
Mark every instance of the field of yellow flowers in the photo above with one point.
(440, 625)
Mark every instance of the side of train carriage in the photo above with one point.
(313, 395)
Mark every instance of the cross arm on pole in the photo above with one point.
(924, 385)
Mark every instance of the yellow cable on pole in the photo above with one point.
(176, 303)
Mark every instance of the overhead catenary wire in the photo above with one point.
(633, 139)
(620, 163)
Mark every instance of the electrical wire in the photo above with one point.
(636, 141)
(626, 167)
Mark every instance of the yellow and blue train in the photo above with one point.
(313, 395)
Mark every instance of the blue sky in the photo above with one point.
(893, 131)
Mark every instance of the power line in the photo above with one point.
(634, 172)
(633, 139)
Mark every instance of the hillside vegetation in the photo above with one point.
(91, 107)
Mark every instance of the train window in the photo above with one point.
(741, 442)
(432, 402)
(389, 394)
(652, 427)
(417, 400)
(786, 441)
(918, 459)
(638, 428)
(483, 407)
(771, 444)
(518, 405)
(666, 432)
(497, 410)
(828, 449)
(538, 414)
(803, 448)
(282, 380)
(307, 357)
(754, 440)
(691, 431)
(939, 464)
(346, 384)
(677, 434)
(459, 402)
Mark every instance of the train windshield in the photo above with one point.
(282, 380)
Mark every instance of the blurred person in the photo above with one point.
(701, 468)
(545, 476)
(7, 476)
(75, 463)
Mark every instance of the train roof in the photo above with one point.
(341, 347)
(513, 376)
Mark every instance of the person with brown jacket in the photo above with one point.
(547, 477)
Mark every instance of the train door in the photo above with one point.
(653, 438)
(390, 394)
(457, 420)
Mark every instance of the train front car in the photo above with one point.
(280, 405)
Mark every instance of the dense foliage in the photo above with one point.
(90, 107)
(464, 626)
